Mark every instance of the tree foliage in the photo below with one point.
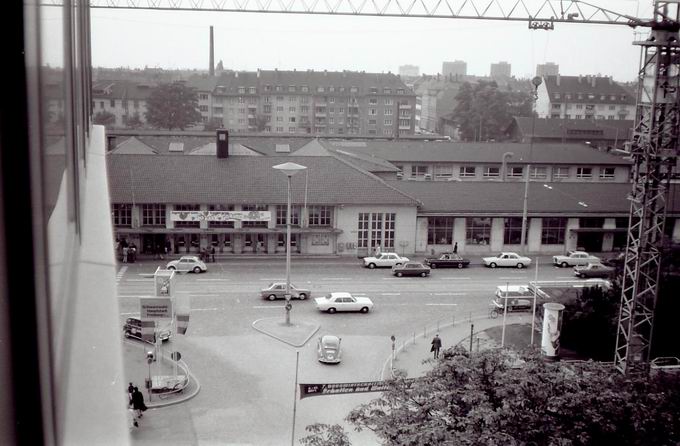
(483, 111)
(212, 125)
(134, 121)
(172, 106)
(325, 435)
(491, 398)
(104, 118)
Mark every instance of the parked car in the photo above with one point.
(188, 263)
(447, 260)
(507, 259)
(386, 259)
(594, 270)
(133, 329)
(342, 301)
(515, 297)
(328, 349)
(574, 258)
(411, 269)
(277, 290)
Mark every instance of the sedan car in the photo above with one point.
(277, 290)
(575, 258)
(593, 270)
(507, 259)
(411, 269)
(188, 263)
(343, 302)
(328, 349)
(447, 260)
(386, 259)
(133, 329)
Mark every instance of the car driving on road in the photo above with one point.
(594, 270)
(188, 263)
(447, 260)
(277, 290)
(575, 258)
(341, 301)
(411, 269)
(384, 260)
(507, 259)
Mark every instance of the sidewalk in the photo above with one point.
(410, 357)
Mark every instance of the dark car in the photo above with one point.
(593, 270)
(133, 329)
(411, 269)
(447, 260)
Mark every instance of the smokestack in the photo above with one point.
(212, 52)
(222, 144)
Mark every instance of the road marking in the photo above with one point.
(139, 280)
(198, 294)
(565, 277)
(269, 306)
(450, 294)
(205, 309)
(274, 280)
(515, 278)
(390, 294)
(127, 314)
(336, 278)
(454, 278)
(214, 280)
(134, 295)
(442, 304)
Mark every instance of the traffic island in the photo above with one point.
(296, 333)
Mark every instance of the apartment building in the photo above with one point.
(124, 99)
(547, 69)
(309, 102)
(455, 68)
(584, 97)
(500, 70)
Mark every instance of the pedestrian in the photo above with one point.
(138, 402)
(125, 254)
(162, 251)
(133, 252)
(377, 250)
(212, 254)
(131, 389)
(436, 345)
(455, 248)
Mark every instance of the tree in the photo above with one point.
(325, 435)
(104, 118)
(491, 397)
(261, 122)
(483, 111)
(212, 125)
(173, 106)
(133, 122)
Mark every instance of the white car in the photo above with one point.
(188, 263)
(386, 259)
(507, 259)
(343, 302)
(328, 349)
(575, 258)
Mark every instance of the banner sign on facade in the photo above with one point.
(307, 390)
(220, 215)
(155, 308)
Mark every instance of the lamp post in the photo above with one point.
(289, 169)
(536, 81)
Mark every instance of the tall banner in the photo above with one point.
(307, 390)
(552, 327)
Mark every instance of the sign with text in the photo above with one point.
(220, 215)
(155, 307)
(307, 390)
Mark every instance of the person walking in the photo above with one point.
(436, 345)
(455, 248)
(133, 253)
(125, 254)
(131, 389)
(212, 254)
(138, 402)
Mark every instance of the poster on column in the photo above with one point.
(155, 308)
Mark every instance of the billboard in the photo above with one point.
(155, 308)
(220, 215)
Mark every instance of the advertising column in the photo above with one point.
(552, 326)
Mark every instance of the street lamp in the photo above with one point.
(536, 81)
(289, 169)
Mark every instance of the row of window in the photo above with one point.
(478, 230)
(125, 103)
(602, 97)
(376, 229)
(558, 106)
(319, 89)
(568, 116)
(302, 100)
(155, 215)
(537, 172)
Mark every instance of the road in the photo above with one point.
(247, 378)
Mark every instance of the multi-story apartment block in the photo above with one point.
(409, 70)
(547, 69)
(456, 68)
(123, 99)
(309, 102)
(437, 98)
(583, 97)
(500, 70)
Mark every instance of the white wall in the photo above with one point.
(405, 225)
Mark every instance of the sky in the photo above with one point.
(248, 41)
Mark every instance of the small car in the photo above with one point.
(133, 329)
(386, 259)
(411, 269)
(341, 301)
(447, 260)
(507, 259)
(277, 290)
(593, 270)
(188, 263)
(574, 258)
(328, 349)
(515, 297)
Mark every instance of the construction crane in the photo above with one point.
(655, 144)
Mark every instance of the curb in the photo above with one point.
(283, 340)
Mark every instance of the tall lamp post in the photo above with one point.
(536, 81)
(289, 169)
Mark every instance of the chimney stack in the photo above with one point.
(212, 53)
(222, 144)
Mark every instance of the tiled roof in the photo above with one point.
(243, 180)
(542, 153)
(576, 128)
(595, 85)
(507, 197)
(120, 89)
